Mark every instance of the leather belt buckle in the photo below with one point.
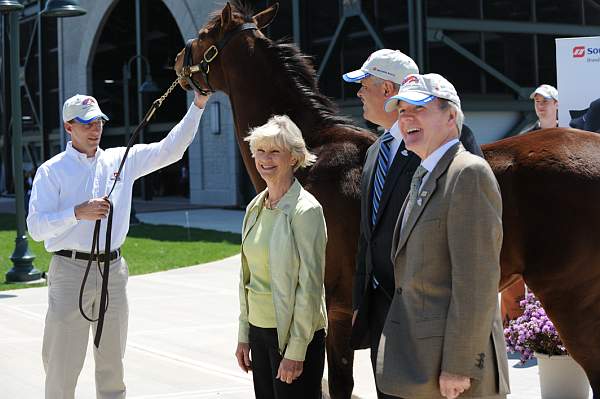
(74, 255)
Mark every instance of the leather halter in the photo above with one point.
(189, 69)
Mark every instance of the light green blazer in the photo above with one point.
(297, 267)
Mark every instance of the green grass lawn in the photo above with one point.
(148, 248)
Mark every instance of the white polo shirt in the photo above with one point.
(71, 178)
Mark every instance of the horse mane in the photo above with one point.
(298, 67)
(240, 7)
(244, 7)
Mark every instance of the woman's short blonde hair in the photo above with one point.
(282, 132)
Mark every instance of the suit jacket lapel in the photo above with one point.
(398, 165)
(426, 193)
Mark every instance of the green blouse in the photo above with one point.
(261, 311)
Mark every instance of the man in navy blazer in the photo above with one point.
(385, 183)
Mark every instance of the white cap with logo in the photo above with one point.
(421, 89)
(386, 64)
(545, 91)
(83, 109)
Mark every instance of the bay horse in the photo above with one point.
(264, 78)
(550, 184)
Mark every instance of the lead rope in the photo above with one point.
(95, 252)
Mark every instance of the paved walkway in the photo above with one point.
(182, 335)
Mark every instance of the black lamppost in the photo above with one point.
(23, 269)
(148, 86)
(63, 8)
(10, 6)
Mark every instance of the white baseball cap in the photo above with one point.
(545, 91)
(420, 89)
(386, 64)
(83, 109)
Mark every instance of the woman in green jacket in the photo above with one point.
(282, 298)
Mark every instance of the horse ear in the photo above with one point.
(265, 17)
(226, 17)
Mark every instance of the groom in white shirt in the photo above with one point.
(67, 197)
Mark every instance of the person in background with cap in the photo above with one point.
(68, 196)
(443, 336)
(385, 183)
(545, 100)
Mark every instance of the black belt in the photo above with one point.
(86, 256)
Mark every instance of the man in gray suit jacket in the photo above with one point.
(443, 334)
(382, 195)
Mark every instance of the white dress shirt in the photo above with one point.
(71, 178)
(395, 143)
(430, 163)
(432, 160)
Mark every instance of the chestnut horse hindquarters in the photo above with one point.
(550, 185)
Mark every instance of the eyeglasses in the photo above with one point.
(95, 124)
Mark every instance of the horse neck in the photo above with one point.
(257, 95)
(256, 100)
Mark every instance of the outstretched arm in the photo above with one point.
(146, 158)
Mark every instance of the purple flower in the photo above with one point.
(533, 332)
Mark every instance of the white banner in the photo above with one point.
(578, 77)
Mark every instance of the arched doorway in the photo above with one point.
(161, 39)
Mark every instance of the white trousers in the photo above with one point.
(66, 332)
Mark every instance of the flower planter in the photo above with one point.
(561, 377)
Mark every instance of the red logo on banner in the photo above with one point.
(578, 51)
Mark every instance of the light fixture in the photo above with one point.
(63, 8)
(149, 85)
(10, 5)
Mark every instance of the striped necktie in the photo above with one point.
(382, 168)
(415, 186)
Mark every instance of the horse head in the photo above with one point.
(199, 65)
